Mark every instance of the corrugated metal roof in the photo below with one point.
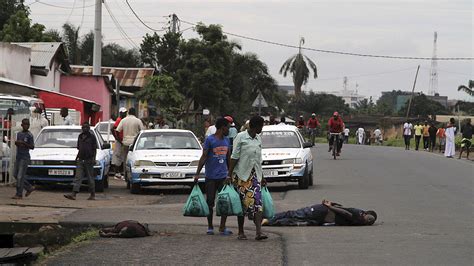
(127, 77)
(42, 53)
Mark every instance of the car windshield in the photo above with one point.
(280, 139)
(104, 127)
(58, 138)
(167, 140)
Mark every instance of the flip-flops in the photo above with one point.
(226, 232)
(242, 237)
(210, 232)
(261, 237)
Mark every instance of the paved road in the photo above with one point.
(424, 203)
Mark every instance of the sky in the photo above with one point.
(379, 27)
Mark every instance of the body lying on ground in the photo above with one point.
(326, 213)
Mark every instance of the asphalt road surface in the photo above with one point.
(424, 204)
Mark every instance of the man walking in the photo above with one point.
(432, 131)
(86, 155)
(24, 143)
(441, 138)
(346, 135)
(407, 134)
(418, 134)
(378, 136)
(131, 127)
(117, 157)
(360, 133)
(216, 154)
(466, 141)
(426, 136)
(312, 126)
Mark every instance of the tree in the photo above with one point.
(87, 48)
(296, 65)
(424, 107)
(467, 90)
(18, 28)
(9, 7)
(52, 35)
(72, 41)
(321, 103)
(114, 55)
(162, 53)
(366, 107)
(162, 90)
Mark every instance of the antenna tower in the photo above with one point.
(433, 89)
(344, 83)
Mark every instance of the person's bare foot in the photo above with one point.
(261, 236)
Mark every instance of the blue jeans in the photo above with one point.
(19, 172)
(313, 215)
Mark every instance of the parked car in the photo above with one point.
(104, 129)
(286, 156)
(162, 157)
(53, 159)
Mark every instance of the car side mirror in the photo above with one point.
(307, 145)
(130, 148)
(106, 146)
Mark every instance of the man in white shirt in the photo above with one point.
(346, 135)
(378, 136)
(67, 120)
(211, 130)
(360, 135)
(407, 127)
(131, 127)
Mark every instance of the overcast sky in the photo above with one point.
(382, 27)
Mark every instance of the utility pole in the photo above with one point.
(174, 23)
(412, 92)
(97, 56)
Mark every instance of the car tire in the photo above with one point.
(135, 188)
(99, 185)
(311, 177)
(127, 180)
(303, 182)
(106, 181)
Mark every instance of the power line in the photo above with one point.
(139, 19)
(63, 7)
(367, 75)
(83, 8)
(340, 52)
(119, 27)
(72, 10)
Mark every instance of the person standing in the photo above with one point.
(216, 157)
(232, 131)
(432, 132)
(67, 120)
(426, 136)
(86, 156)
(360, 133)
(313, 125)
(418, 134)
(378, 136)
(131, 127)
(24, 143)
(441, 138)
(282, 120)
(450, 133)
(246, 170)
(407, 127)
(117, 157)
(466, 141)
(37, 121)
(346, 135)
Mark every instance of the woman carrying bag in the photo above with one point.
(246, 171)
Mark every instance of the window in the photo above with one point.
(280, 139)
(167, 140)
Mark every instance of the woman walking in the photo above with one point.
(450, 135)
(246, 168)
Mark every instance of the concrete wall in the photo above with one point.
(51, 82)
(15, 62)
(90, 88)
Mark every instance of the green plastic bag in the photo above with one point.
(267, 202)
(196, 205)
(228, 202)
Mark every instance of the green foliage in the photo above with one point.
(18, 28)
(10, 7)
(87, 48)
(469, 90)
(297, 66)
(466, 107)
(72, 41)
(366, 107)
(52, 35)
(162, 53)
(321, 104)
(114, 55)
(386, 104)
(423, 107)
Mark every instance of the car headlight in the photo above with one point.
(298, 161)
(293, 161)
(144, 163)
(194, 163)
(36, 162)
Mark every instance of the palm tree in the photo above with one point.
(296, 65)
(469, 90)
(72, 41)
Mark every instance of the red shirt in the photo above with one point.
(117, 122)
(335, 126)
(313, 123)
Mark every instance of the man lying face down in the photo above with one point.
(326, 213)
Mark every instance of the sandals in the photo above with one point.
(242, 237)
(226, 232)
(210, 231)
(261, 237)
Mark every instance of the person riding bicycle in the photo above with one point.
(336, 125)
(312, 126)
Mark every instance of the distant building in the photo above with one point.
(350, 97)
(289, 89)
(405, 97)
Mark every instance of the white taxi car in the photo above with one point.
(162, 157)
(53, 159)
(286, 156)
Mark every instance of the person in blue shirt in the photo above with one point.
(24, 143)
(216, 157)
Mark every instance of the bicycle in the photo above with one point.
(335, 143)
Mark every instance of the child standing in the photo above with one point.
(24, 143)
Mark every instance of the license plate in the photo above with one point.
(173, 175)
(60, 172)
(270, 173)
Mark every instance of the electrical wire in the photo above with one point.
(340, 52)
(367, 75)
(119, 27)
(63, 7)
(83, 9)
(139, 19)
(72, 10)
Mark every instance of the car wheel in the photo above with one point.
(99, 185)
(311, 176)
(127, 179)
(303, 182)
(135, 188)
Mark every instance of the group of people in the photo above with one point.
(446, 134)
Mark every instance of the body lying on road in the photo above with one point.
(326, 213)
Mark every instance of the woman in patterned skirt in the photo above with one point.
(246, 168)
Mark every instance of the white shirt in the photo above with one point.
(67, 121)
(130, 126)
(377, 133)
(407, 129)
(360, 131)
(211, 130)
(346, 132)
(165, 126)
